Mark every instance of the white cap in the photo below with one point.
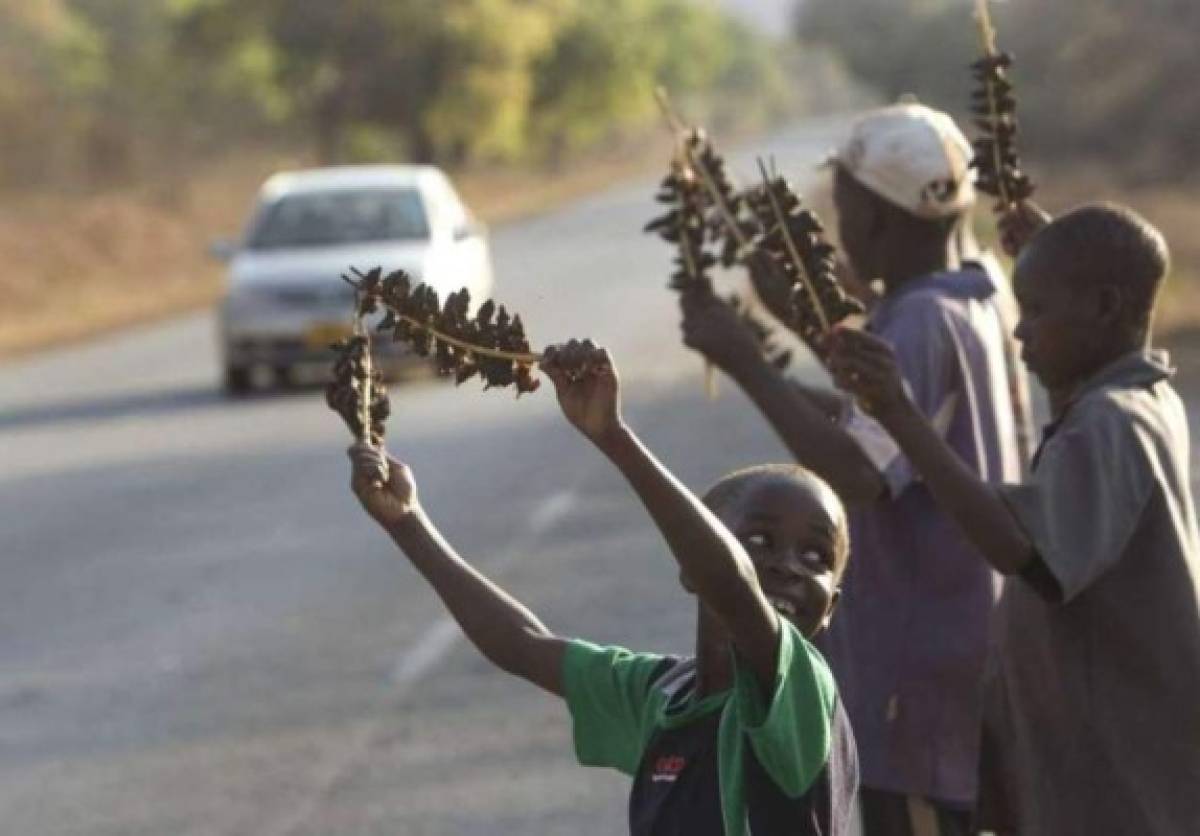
(912, 156)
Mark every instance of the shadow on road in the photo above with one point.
(113, 407)
(195, 399)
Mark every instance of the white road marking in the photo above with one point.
(416, 663)
(440, 638)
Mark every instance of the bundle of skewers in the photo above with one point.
(490, 344)
(793, 243)
(763, 228)
(994, 107)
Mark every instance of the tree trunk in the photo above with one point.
(328, 128)
(421, 148)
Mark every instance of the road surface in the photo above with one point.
(201, 633)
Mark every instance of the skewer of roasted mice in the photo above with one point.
(994, 106)
(793, 244)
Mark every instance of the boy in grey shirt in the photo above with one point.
(1100, 652)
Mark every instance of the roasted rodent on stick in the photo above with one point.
(994, 107)
(490, 344)
(792, 242)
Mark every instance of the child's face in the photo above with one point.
(1062, 328)
(854, 226)
(792, 532)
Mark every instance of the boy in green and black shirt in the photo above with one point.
(746, 737)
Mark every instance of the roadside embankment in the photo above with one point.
(77, 266)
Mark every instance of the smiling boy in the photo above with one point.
(748, 735)
(1100, 651)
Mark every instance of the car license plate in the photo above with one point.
(326, 334)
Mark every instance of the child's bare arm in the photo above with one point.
(865, 366)
(711, 558)
(503, 630)
(803, 423)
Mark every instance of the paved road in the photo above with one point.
(200, 633)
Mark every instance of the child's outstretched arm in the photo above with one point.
(802, 417)
(505, 632)
(711, 558)
(865, 366)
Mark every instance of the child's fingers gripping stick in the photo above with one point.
(369, 467)
(856, 359)
(575, 361)
(865, 366)
(551, 365)
(383, 485)
(562, 364)
(1020, 224)
(586, 383)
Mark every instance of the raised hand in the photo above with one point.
(712, 327)
(587, 387)
(388, 493)
(865, 366)
(1019, 224)
(774, 288)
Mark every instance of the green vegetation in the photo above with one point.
(1105, 89)
(112, 91)
(1102, 81)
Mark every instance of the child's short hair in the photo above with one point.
(729, 489)
(1109, 244)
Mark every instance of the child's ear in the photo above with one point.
(876, 222)
(1110, 304)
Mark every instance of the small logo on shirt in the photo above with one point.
(667, 768)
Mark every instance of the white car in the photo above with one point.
(285, 302)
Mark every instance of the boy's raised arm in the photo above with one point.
(804, 423)
(711, 558)
(503, 630)
(865, 366)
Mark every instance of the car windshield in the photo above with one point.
(322, 219)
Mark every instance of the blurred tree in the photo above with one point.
(305, 62)
(599, 74)
(1095, 79)
(132, 104)
(490, 50)
(598, 78)
(48, 62)
(117, 87)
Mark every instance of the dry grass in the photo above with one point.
(77, 266)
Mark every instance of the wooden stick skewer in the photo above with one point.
(987, 35)
(793, 251)
(367, 395)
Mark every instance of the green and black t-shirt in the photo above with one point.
(738, 763)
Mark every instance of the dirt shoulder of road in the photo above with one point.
(79, 266)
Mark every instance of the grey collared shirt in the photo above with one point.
(910, 638)
(1098, 687)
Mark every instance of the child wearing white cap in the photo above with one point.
(910, 648)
